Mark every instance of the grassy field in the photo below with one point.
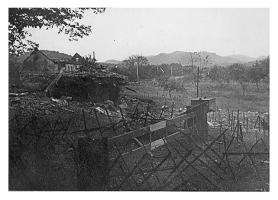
(227, 95)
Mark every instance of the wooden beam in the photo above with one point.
(54, 81)
(148, 129)
(142, 149)
(246, 153)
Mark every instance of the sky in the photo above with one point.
(120, 32)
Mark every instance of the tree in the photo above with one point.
(64, 19)
(136, 61)
(198, 60)
(218, 74)
(255, 74)
(239, 73)
(214, 74)
(259, 71)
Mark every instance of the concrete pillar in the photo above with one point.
(201, 123)
(201, 106)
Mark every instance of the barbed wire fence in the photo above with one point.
(141, 151)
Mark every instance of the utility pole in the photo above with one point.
(156, 70)
(182, 69)
(198, 71)
(94, 57)
(137, 72)
(171, 70)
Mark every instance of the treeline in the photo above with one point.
(241, 73)
(255, 73)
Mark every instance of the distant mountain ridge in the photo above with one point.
(163, 58)
(113, 61)
(184, 58)
(243, 58)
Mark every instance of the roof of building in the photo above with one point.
(57, 57)
(96, 73)
(53, 55)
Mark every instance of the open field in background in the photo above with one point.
(232, 106)
(227, 95)
(251, 108)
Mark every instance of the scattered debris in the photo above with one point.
(60, 101)
(11, 94)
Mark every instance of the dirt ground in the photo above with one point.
(55, 168)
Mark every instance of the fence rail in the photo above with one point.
(171, 154)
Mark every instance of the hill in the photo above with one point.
(184, 58)
(243, 58)
(112, 61)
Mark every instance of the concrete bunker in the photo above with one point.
(86, 86)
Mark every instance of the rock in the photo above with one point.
(16, 100)
(47, 112)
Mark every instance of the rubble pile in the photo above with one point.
(129, 113)
(36, 81)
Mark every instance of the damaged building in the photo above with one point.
(48, 62)
(72, 76)
(97, 86)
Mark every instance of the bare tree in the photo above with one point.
(199, 61)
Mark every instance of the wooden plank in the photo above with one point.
(49, 87)
(157, 126)
(246, 153)
(129, 135)
(141, 150)
(157, 143)
(180, 119)
(151, 128)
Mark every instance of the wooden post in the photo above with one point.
(137, 72)
(229, 118)
(171, 70)
(93, 162)
(237, 124)
(232, 122)
(241, 133)
(172, 110)
(219, 116)
(259, 123)
(198, 70)
(244, 117)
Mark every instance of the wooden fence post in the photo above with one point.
(93, 164)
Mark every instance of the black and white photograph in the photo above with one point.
(138, 99)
